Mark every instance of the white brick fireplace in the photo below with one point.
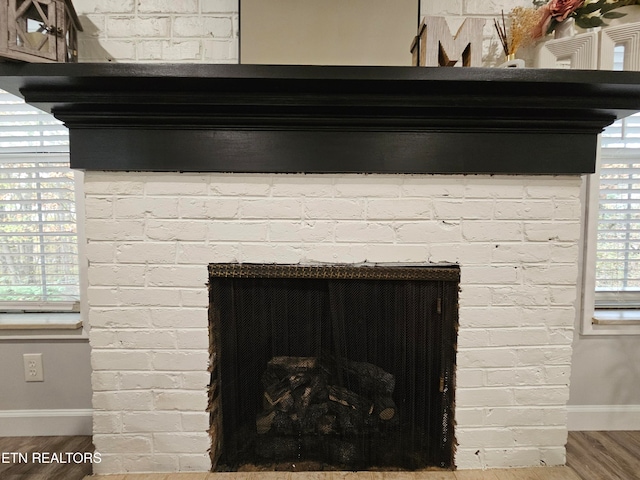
(477, 167)
(151, 236)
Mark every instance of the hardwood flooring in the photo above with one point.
(590, 456)
(41, 466)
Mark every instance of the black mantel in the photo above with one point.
(248, 118)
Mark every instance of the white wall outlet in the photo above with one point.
(33, 367)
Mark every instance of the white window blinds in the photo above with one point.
(38, 242)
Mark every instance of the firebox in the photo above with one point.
(332, 367)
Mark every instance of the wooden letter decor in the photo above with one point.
(436, 47)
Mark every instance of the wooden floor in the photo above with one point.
(43, 468)
(590, 456)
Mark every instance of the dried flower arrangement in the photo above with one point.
(522, 22)
(587, 13)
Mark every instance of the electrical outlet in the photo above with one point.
(33, 367)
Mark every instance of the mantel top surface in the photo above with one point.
(337, 118)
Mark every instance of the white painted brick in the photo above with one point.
(98, 207)
(428, 232)
(526, 295)
(273, 208)
(194, 297)
(218, 6)
(195, 380)
(202, 26)
(182, 185)
(181, 50)
(528, 210)
(100, 252)
(432, 186)
(490, 7)
(470, 416)
(177, 276)
(396, 253)
(179, 318)
(180, 400)
(194, 421)
(491, 231)
(104, 6)
(458, 209)
(473, 296)
(172, 230)
(441, 7)
(103, 339)
(552, 317)
(560, 188)
(551, 275)
(241, 185)
(115, 444)
(181, 442)
(142, 422)
(146, 339)
(481, 397)
(200, 208)
(119, 317)
(193, 339)
(168, 6)
(490, 275)
(495, 188)
(553, 456)
(364, 232)
(519, 336)
(491, 317)
(106, 422)
(132, 400)
(147, 50)
(149, 297)
(302, 231)
(547, 355)
(362, 186)
(336, 209)
(120, 360)
(467, 377)
(542, 436)
(333, 254)
(300, 186)
(470, 458)
(487, 358)
(132, 275)
(122, 230)
(105, 381)
(194, 462)
(93, 25)
(515, 376)
(520, 253)
(564, 252)
(557, 374)
(97, 183)
(220, 51)
(514, 415)
(562, 295)
(103, 296)
(150, 380)
(138, 26)
(188, 360)
(463, 254)
(549, 232)
(487, 437)
(512, 458)
(202, 254)
(105, 50)
(146, 252)
(138, 207)
(237, 231)
(399, 209)
(473, 338)
(269, 253)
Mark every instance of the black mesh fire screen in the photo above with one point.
(332, 367)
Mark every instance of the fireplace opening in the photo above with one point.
(332, 367)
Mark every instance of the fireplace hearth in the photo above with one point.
(333, 367)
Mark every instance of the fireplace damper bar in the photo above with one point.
(332, 367)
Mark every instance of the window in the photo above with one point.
(38, 239)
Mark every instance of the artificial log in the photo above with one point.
(368, 379)
(346, 397)
(384, 408)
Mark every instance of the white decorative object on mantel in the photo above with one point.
(435, 46)
(577, 52)
(627, 35)
(565, 29)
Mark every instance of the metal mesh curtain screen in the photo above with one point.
(349, 369)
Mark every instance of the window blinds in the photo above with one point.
(38, 241)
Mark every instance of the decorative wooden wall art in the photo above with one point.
(435, 46)
(39, 30)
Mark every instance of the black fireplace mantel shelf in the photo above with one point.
(318, 119)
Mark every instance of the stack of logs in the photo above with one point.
(315, 405)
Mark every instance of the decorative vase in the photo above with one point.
(512, 62)
(565, 29)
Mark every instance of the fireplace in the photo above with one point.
(332, 367)
(191, 165)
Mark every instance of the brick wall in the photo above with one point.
(207, 30)
(150, 237)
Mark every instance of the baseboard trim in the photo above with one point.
(603, 417)
(39, 423)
